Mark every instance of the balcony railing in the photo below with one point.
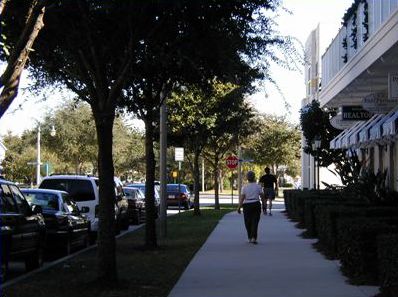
(362, 21)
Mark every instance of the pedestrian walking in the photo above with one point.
(250, 201)
(270, 187)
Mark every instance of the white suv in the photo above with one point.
(84, 191)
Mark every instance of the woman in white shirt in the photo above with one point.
(250, 200)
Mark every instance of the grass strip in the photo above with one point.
(142, 273)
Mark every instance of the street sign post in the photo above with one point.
(232, 162)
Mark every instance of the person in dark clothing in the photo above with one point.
(270, 187)
(250, 201)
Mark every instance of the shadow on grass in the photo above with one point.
(141, 272)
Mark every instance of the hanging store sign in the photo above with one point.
(393, 86)
(338, 123)
(355, 113)
(378, 103)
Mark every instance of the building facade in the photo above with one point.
(360, 71)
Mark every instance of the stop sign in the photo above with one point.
(232, 162)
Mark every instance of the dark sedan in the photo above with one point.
(179, 195)
(136, 201)
(66, 227)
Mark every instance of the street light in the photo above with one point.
(38, 157)
(316, 144)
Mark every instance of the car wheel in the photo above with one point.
(125, 223)
(36, 260)
(136, 218)
(187, 205)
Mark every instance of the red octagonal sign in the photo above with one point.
(232, 162)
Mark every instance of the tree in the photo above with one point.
(17, 58)
(233, 121)
(315, 124)
(277, 142)
(21, 152)
(116, 54)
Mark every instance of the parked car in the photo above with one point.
(22, 229)
(179, 195)
(66, 227)
(84, 191)
(141, 186)
(136, 201)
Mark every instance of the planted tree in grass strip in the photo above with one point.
(130, 54)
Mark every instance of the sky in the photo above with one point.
(27, 109)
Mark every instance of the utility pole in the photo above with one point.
(239, 171)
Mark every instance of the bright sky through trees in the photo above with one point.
(306, 15)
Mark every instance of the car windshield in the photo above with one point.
(79, 190)
(133, 193)
(174, 188)
(47, 201)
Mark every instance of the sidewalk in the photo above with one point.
(281, 265)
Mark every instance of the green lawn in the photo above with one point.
(141, 272)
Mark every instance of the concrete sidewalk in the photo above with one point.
(281, 265)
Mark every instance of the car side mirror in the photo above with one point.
(85, 209)
(36, 209)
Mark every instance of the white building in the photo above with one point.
(309, 176)
(360, 68)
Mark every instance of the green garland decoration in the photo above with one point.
(345, 45)
(352, 13)
(365, 22)
(354, 31)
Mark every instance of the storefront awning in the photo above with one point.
(353, 138)
(343, 140)
(364, 133)
(376, 131)
(390, 126)
(335, 143)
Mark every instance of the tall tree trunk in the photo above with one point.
(216, 183)
(196, 178)
(107, 271)
(150, 226)
(11, 77)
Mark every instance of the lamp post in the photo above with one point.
(316, 144)
(38, 156)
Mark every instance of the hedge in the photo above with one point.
(388, 264)
(358, 251)
(326, 224)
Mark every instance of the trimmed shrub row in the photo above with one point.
(356, 233)
(387, 251)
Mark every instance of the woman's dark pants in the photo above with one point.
(251, 213)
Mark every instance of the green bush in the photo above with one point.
(326, 224)
(309, 212)
(388, 264)
(357, 249)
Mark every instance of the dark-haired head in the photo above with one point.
(251, 176)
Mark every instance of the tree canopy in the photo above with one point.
(277, 142)
(131, 54)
